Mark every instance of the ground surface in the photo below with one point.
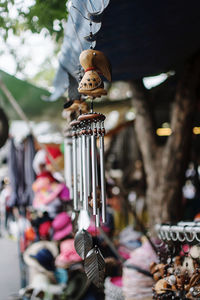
(9, 268)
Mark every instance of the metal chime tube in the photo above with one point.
(97, 186)
(80, 167)
(88, 150)
(74, 140)
(68, 164)
(97, 179)
(85, 176)
(97, 222)
(103, 185)
(94, 175)
(92, 127)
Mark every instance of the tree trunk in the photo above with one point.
(165, 166)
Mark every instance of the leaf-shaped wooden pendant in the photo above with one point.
(95, 266)
(83, 243)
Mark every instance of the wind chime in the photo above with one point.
(87, 129)
(88, 171)
(88, 168)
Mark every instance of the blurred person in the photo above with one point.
(5, 211)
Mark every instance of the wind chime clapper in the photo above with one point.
(88, 188)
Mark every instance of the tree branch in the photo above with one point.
(144, 128)
(183, 114)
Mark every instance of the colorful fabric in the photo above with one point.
(54, 152)
(45, 191)
(136, 285)
(62, 226)
(68, 254)
(44, 229)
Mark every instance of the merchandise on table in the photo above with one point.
(62, 226)
(41, 287)
(39, 266)
(137, 281)
(113, 288)
(177, 274)
(68, 254)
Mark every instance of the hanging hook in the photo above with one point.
(181, 239)
(196, 235)
(186, 234)
(168, 236)
(173, 235)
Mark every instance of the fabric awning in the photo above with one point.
(29, 98)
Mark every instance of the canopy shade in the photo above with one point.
(149, 37)
(141, 38)
(29, 97)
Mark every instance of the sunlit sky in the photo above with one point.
(36, 48)
(32, 53)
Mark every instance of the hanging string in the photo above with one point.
(92, 105)
(80, 12)
(91, 35)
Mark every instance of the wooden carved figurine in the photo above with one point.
(94, 63)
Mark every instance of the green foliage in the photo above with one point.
(6, 23)
(48, 14)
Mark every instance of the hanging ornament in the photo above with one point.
(95, 266)
(94, 63)
(83, 243)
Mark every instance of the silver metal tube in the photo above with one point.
(94, 179)
(97, 175)
(75, 184)
(80, 168)
(68, 165)
(85, 184)
(88, 150)
(97, 221)
(103, 185)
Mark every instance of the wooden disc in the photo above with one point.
(74, 123)
(92, 117)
